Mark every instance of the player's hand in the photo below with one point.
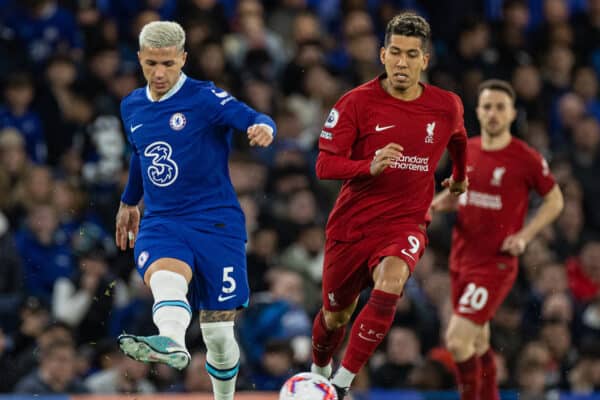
(260, 135)
(456, 188)
(385, 157)
(514, 245)
(127, 226)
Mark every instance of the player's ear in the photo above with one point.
(478, 111)
(426, 57)
(513, 112)
(184, 58)
(382, 55)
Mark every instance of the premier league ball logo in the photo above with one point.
(177, 121)
(332, 118)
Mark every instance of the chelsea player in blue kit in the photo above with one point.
(193, 232)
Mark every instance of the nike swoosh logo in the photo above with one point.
(382, 128)
(222, 298)
(135, 128)
(366, 338)
(407, 254)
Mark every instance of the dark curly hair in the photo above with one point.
(408, 24)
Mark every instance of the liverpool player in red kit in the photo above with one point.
(384, 139)
(489, 233)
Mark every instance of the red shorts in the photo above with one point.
(478, 292)
(348, 266)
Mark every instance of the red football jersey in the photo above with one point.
(496, 201)
(366, 119)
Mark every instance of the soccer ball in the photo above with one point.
(307, 386)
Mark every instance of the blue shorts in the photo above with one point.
(218, 262)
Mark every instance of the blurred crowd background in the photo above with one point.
(66, 292)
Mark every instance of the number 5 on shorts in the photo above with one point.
(228, 281)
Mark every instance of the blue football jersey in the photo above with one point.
(181, 146)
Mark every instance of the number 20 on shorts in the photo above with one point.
(474, 296)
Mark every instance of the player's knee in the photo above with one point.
(481, 347)
(461, 348)
(336, 320)
(223, 353)
(391, 275)
(219, 337)
(482, 343)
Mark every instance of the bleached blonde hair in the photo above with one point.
(158, 34)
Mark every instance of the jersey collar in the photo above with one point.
(171, 91)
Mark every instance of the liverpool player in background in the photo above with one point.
(489, 233)
(384, 139)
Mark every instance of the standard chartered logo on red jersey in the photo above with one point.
(412, 163)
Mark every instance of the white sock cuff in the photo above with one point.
(169, 289)
(169, 278)
(216, 325)
(343, 378)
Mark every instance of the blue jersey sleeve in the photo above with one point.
(134, 189)
(226, 110)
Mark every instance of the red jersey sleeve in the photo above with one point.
(457, 146)
(539, 178)
(335, 144)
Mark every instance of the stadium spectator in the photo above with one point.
(86, 300)
(45, 28)
(402, 355)
(275, 315)
(277, 364)
(196, 379)
(56, 373)
(11, 278)
(18, 113)
(125, 376)
(584, 272)
(46, 254)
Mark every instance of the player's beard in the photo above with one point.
(496, 129)
(400, 85)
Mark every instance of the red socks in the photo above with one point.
(325, 342)
(369, 329)
(469, 382)
(489, 386)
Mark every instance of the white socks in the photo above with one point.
(323, 371)
(222, 357)
(343, 378)
(172, 315)
(171, 312)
